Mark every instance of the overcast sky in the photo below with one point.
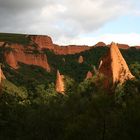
(74, 21)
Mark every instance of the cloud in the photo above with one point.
(133, 39)
(60, 18)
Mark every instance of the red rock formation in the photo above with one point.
(45, 42)
(11, 60)
(26, 55)
(123, 46)
(89, 75)
(101, 62)
(71, 49)
(100, 44)
(33, 59)
(2, 77)
(137, 47)
(114, 67)
(60, 83)
(2, 43)
(81, 59)
(42, 41)
(95, 70)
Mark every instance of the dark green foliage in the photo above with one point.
(131, 55)
(82, 114)
(135, 68)
(14, 38)
(30, 108)
(68, 64)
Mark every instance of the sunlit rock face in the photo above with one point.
(114, 67)
(45, 42)
(123, 46)
(2, 77)
(25, 55)
(89, 75)
(100, 44)
(81, 59)
(1, 43)
(42, 41)
(60, 83)
(11, 60)
(71, 49)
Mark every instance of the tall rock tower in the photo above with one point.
(114, 67)
(1, 78)
(89, 75)
(60, 83)
(81, 59)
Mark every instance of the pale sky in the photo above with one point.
(74, 21)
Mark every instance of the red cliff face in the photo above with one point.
(71, 49)
(45, 42)
(60, 83)
(42, 41)
(123, 46)
(22, 54)
(114, 67)
(11, 60)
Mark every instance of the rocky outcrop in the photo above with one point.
(60, 83)
(11, 60)
(33, 59)
(123, 46)
(137, 47)
(71, 49)
(2, 43)
(95, 70)
(2, 77)
(114, 67)
(100, 44)
(45, 42)
(27, 56)
(89, 75)
(81, 59)
(42, 42)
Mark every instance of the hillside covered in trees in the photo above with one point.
(32, 109)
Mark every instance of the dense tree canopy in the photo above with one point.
(31, 109)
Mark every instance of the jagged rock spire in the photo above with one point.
(114, 67)
(89, 75)
(81, 59)
(95, 70)
(1, 78)
(60, 83)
